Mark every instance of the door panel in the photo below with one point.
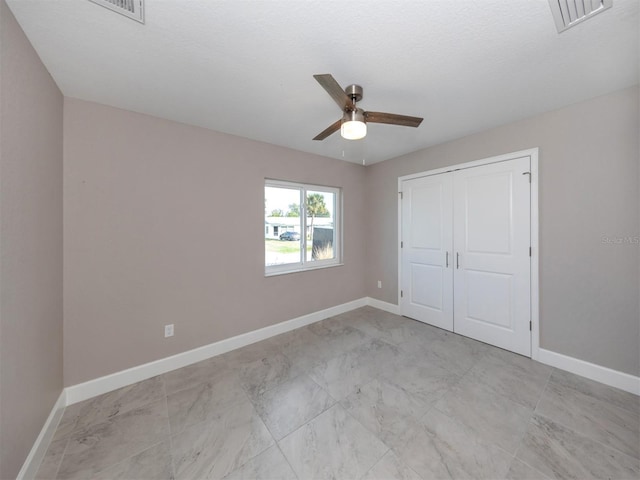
(491, 241)
(426, 217)
(489, 297)
(488, 213)
(431, 275)
(427, 234)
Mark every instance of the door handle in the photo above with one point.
(457, 260)
(447, 265)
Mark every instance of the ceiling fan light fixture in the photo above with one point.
(353, 125)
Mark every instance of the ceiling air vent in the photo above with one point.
(568, 13)
(129, 8)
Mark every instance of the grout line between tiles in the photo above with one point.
(170, 438)
(533, 413)
(275, 442)
(286, 459)
(308, 421)
(64, 451)
(128, 458)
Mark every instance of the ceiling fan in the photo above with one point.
(353, 124)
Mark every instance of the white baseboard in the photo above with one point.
(108, 383)
(98, 386)
(387, 307)
(34, 459)
(613, 378)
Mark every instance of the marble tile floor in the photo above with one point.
(363, 395)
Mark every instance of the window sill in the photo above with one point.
(305, 269)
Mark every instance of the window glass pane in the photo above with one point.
(283, 226)
(320, 208)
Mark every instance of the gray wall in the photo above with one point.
(589, 161)
(30, 244)
(164, 223)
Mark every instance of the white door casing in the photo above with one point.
(427, 250)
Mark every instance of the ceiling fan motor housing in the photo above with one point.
(355, 92)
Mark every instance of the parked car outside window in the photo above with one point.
(291, 236)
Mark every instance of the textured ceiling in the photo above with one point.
(245, 67)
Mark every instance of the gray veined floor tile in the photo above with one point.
(376, 323)
(206, 371)
(332, 446)
(611, 395)
(97, 447)
(204, 401)
(152, 464)
(291, 404)
(379, 356)
(346, 373)
(268, 372)
(521, 471)
(269, 465)
(68, 422)
(390, 468)
(597, 419)
(390, 328)
(420, 377)
(492, 416)
(384, 409)
(341, 338)
(108, 405)
(304, 348)
(453, 352)
(251, 353)
(400, 330)
(519, 379)
(519, 362)
(215, 448)
(355, 318)
(52, 458)
(560, 452)
(440, 447)
(101, 408)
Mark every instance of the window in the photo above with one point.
(302, 227)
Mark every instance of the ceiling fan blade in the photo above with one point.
(333, 128)
(392, 118)
(334, 89)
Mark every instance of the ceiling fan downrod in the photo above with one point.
(355, 93)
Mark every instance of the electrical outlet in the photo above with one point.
(168, 331)
(379, 283)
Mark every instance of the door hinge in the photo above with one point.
(401, 294)
(530, 325)
(401, 195)
(401, 244)
(529, 251)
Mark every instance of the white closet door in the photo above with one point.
(427, 268)
(492, 262)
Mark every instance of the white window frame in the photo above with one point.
(304, 264)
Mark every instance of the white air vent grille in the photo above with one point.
(568, 13)
(129, 8)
